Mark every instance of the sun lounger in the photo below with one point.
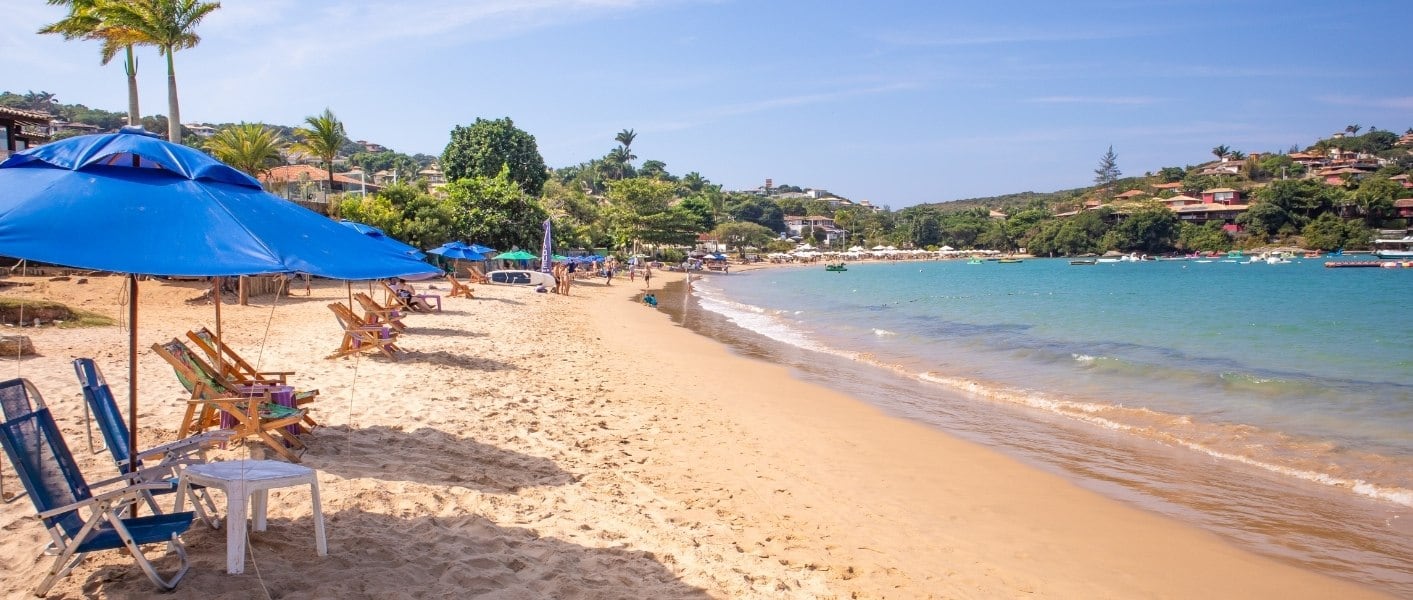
(458, 288)
(377, 314)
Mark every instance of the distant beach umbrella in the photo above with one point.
(457, 251)
(128, 202)
(515, 255)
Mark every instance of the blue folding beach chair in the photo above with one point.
(18, 397)
(79, 521)
(169, 458)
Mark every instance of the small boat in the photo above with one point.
(975, 261)
(518, 277)
(1009, 260)
(1083, 261)
(836, 267)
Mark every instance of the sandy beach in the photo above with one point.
(538, 446)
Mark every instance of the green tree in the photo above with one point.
(754, 209)
(1207, 237)
(1151, 229)
(322, 138)
(495, 211)
(1221, 151)
(485, 147)
(170, 25)
(1375, 197)
(1329, 232)
(1108, 172)
(578, 219)
(740, 235)
(1264, 219)
(250, 147)
(641, 211)
(655, 169)
(700, 205)
(86, 20)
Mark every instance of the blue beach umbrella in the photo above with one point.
(130, 203)
(380, 235)
(479, 249)
(457, 251)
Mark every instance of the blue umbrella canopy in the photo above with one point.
(457, 250)
(479, 249)
(129, 203)
(380, 235)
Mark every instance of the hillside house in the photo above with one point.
(23, 129)
(1221, 196)
(832, 234)
(1203, 213)
(1180, 200)
(306, 184)
(1403, 207)
(1403, 181)
(1161, 187)
(1131, 194)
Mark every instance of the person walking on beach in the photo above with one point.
(647, 276)
(608, 272)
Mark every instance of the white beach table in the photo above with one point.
(249, 481)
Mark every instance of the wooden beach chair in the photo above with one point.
(458, 288)
(474, 275)
(392, 299)
(254, 414)
(377, 314)
(237, 370)
(359, 336)
(233, 365)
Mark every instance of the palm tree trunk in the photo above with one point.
(134, 116)
(174, 118)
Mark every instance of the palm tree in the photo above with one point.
(323, 138)
(621, 159)
(170, 25)
(250, 147)
(86, 21)
(1352, 129)
(626, 138)
(1221, 151)
(1237, 155)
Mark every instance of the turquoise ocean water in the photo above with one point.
(1271, 404)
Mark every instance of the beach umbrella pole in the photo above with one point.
(216, 297)
(132, 378)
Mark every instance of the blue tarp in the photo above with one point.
(128, 203)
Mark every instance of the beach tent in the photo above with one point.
(131, 203)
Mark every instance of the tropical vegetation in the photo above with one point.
(499, 190)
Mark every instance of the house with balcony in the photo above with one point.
(1179, 200)
(1207, 212)
(832, 234)
(1221, 196)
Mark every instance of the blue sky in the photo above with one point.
(894, 102)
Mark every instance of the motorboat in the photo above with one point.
(838, 267)
(1395, 248)
(1083, 261)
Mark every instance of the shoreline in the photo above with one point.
(533, 445)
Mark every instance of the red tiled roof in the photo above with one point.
(28, 116)
(1403, 203)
